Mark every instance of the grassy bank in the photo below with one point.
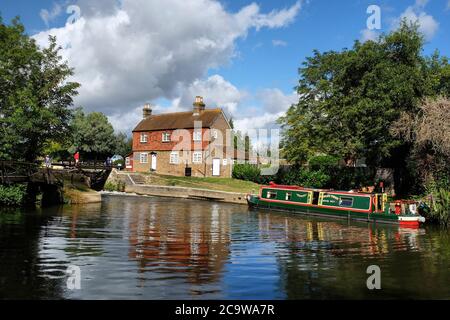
(211, 183)
(78, 193)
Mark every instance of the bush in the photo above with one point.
(247, 172)
(111, 186)
(13, 195)
(323, 173)
(440, 207)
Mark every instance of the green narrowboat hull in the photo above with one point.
(256, 202)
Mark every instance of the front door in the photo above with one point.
(216, 167)
(153, 167)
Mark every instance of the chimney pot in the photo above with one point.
(199, 105)
(147, 111)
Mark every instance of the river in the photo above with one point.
(130, 247)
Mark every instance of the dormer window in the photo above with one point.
(166, 137)
(144, 138)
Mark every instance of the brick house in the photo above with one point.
(182, 143)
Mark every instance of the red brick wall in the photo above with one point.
(155, 141)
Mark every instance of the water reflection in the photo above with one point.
(181, 241)
(157, 248)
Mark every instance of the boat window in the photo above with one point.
(288, 196)
(315, 200)
(271, 195)
(346, 202)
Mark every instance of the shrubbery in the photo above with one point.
(247, 172)
(110, 186)
(323, 173)
(13, 195)
(440, 207)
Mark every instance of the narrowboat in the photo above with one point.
(357, 205)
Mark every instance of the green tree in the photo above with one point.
(349, 99)
(124, 144)
(35, 94)
(92, 135)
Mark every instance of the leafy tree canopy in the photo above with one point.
(349, 99)
(35, 96)
(92, 135)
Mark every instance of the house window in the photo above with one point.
(174, 158)
(225, 162)
(214, 134)
(271, 195)
(166, 137)
(197, 135)
(346, 202)
(144, 138)
(127, 161)
(197, 157)
(288, 196)
(143, 157)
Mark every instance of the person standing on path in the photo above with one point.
(76, 156)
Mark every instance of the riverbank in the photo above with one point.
(80, 194)
(215, 189)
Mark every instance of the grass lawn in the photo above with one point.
(219, 184)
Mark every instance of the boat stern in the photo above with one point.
(410, 221)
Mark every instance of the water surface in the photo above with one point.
(158, 248)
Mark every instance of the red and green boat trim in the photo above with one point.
(371, 207)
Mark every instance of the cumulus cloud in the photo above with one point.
(217, 93)
(132, 51)
(416, 13)
(275, 101)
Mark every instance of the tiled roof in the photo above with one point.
(178, 120)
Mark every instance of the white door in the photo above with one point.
(216, 167)
(153, 161)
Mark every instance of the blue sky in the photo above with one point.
(251, 70)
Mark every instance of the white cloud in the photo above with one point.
(266, 121)
(266, 107)
(448, 5)
(428, 26)
(48, 16)
(217, 93)
(369, 35)
(279, 43)
(275, 101)
(129, 52)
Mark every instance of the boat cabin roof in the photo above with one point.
(273, 185)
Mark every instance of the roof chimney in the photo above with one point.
(199, 105)
(147, 111)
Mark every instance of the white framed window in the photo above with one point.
(214, 133)
(224, 162)
(143, 157)
(144, 138)
(197, 135)
(197, 157)
(271, 195)
(174, 158)
(127, 161)
(166, 137)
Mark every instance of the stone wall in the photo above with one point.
(187, 193)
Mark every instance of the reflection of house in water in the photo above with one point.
(182, 239)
